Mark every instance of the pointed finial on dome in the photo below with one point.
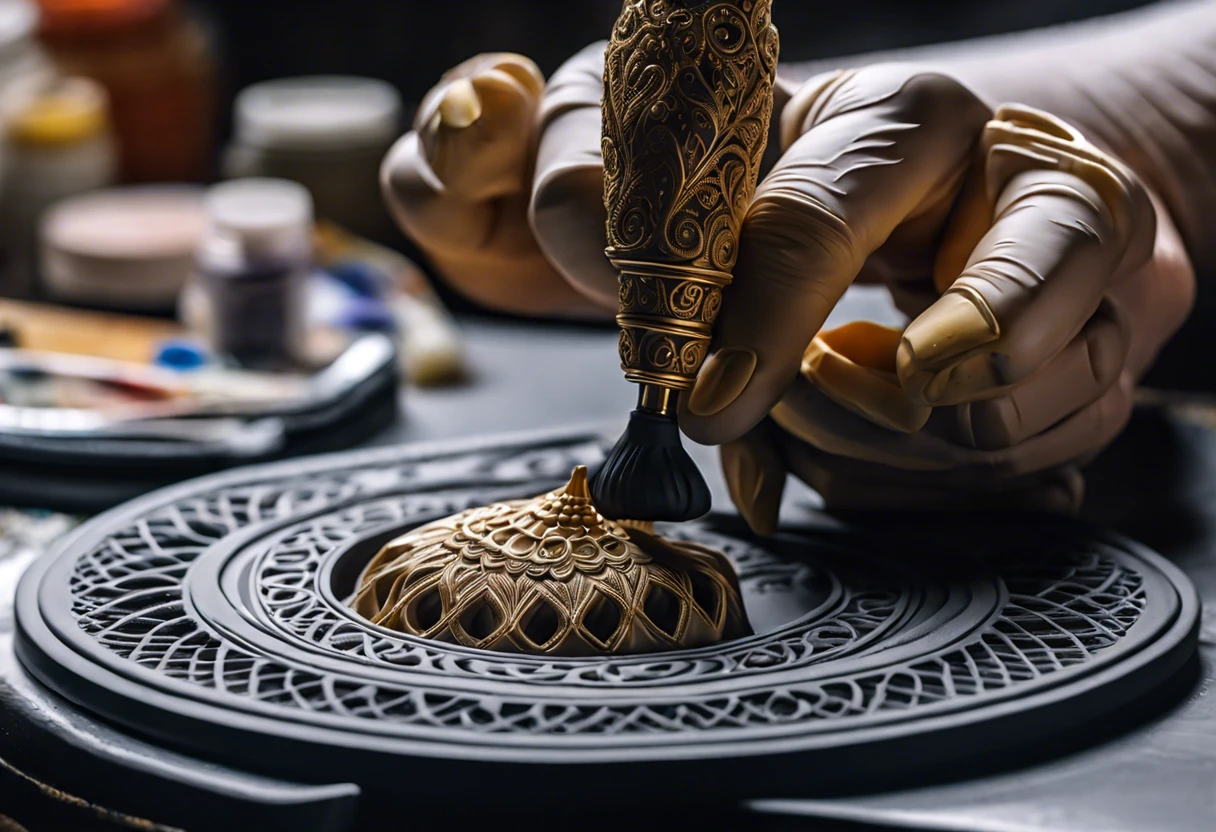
(577, 487)
(551, 576)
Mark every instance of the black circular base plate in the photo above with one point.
(208, 618)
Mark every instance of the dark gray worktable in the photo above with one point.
(1157, 485)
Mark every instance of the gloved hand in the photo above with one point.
(1037, 274)
(1040, 277)
(501, 184)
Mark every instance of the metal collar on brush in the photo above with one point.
(656, 399)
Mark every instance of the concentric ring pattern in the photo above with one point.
(214, 611)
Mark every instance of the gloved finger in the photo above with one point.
(476, 126)
(851, 485)
(809, 415)
(867, 151)
(1157, 298)
(458, 185)
(567, 209)
(1068, 223)
(1079, 375)
(855, 366)
(469, 147)
(755, 475)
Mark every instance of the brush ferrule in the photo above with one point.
(657, 399)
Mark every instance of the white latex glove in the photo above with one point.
(1054, 282)
(1060, 285)
(501, 184)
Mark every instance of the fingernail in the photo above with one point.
(994, 424)
(952, 326)
(721, 381)
(460, 106)
(1058, 498)
(1061, 500)
(1070, 487)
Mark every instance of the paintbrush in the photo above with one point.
(688, 97)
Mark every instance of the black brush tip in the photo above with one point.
(649, 476)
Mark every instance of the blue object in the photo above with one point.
(364, 280)
(180, 355)
(367, 315)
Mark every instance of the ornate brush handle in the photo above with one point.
(688, 96)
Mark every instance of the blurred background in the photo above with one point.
(189, 202)
(167, 73)
(410, 42)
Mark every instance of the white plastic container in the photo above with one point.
(128, 248)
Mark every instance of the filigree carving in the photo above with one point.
(682, 298)
(128, 579)
(128, 599)
(551, 576)
(854, 619)
(688, 97)
(672, 355)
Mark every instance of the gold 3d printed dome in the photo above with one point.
(552, 576)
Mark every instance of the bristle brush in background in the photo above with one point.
(688, 96)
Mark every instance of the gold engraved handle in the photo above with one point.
(688, 96)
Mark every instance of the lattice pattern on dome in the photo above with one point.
(551, 575)
(286, 585)
(127, 595)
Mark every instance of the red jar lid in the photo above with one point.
(77, 20)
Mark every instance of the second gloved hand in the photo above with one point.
(1039, 277)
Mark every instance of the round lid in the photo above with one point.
(258, 206)
(75, 19)
(65, 111)
(17, 21)
(318, 113)
(139, 223)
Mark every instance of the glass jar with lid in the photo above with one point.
(155, 61)
(248, 296)
(59, 143)
(330, 134)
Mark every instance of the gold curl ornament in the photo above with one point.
(688, 96)
(552, 576)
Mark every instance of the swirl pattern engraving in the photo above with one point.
(688, 100)
(687, 105)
